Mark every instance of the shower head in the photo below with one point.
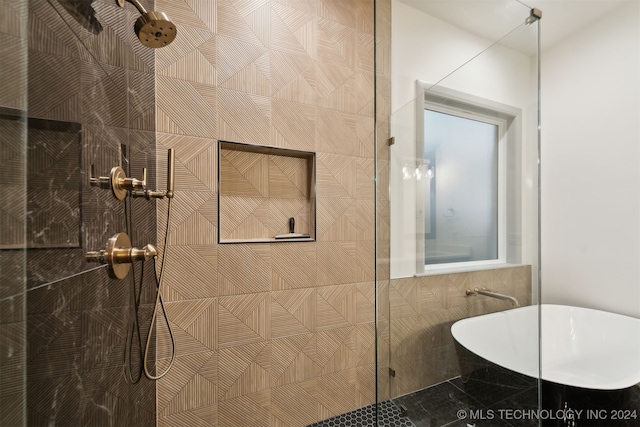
(154, 29)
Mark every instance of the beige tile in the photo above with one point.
(336, 350)
(293, 125)
(294, 29)
(194, 327)
(366, 344)
(336, 44)
(365, 302)
(336, 393)
(243, 370)
(336, 263)
(244, 269)
(293, 312)
(365, 385)
(245, 21)
(336, 176)
(293, 359)
(178, 391)
(336, 219)
(243, 66)
(293, 265)
(336, 132)
(244, 319)
(243, 117)
(248, 410)
(186, 107)
(293, 405)
(336, 307)
(190, 272)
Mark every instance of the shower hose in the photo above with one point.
(134, 325)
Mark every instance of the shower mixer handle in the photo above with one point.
(118, 182)
(159, 194)
(119, 254)
(98, 181)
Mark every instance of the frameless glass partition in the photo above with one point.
(76, 100)
(463, 181)
(13, 201)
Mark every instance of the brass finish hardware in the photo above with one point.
(403, 411)
(159, 194)
(534, 15)
(492, 294)
(119, 254)
(118, 182)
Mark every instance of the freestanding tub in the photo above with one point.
(589, 357)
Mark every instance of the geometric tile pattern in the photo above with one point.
(293, 338)
(422, 311)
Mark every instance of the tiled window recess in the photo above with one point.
(266, 194)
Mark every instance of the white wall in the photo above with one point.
(425, 48)
(591, 165)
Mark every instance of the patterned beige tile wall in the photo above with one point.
(423, 310)
(268, 334)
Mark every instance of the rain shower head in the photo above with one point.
(154, 29)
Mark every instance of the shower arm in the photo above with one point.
(137, 4)
(492, 294)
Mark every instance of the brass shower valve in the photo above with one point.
(118, 182)
(119, 254)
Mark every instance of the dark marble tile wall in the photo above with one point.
(88, 90)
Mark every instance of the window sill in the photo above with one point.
(433, 270)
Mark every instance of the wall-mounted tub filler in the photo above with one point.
(119, 254)
(490, 293)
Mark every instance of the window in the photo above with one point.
(465, 148)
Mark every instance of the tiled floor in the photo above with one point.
(474, 402)
(490, 397)
(388, 416)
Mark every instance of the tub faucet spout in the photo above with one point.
(492, 294)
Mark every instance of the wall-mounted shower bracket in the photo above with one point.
(534, 15)
(119, 254)
(118, 182)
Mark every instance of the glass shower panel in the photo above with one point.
(76, 91)
(13, 203)
(441, 267)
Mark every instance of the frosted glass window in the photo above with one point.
(461, 193)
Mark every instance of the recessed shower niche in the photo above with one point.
(266, 194)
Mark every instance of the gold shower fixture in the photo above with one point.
(119, 254)
(153, 29)
(118, 182)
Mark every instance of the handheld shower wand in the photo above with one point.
(154, 29)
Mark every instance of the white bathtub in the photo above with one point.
(581, 347)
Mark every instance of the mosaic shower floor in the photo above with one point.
(453, 403)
